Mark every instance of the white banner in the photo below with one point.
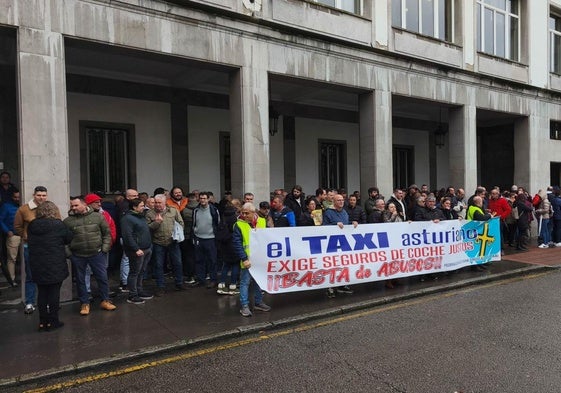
(305, 258)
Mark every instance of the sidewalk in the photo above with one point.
(195, 316)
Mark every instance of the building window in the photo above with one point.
(353, 6)
(105, 155)
(555, 130)
(498, 28)
(555, 43)
(332, 164)
(403, 166)
(433, 18)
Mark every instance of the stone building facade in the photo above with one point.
(252, 95)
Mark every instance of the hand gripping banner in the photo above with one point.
(305, 258)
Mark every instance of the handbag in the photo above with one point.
(177, 234)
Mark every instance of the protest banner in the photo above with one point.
(306, 258)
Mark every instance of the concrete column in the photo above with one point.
(43, 128)
(537, 31)
(43, 132)
(468, 36)
(376, 165)
(462, 137)
(529, 170)
(381, 21)
(249, 122)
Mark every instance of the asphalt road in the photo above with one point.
(500, 337)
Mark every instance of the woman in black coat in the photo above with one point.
(47, 237)
(446, 207)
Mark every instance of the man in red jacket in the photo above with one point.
(499, 205)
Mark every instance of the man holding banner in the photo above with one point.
(338, 216)
(248, 221)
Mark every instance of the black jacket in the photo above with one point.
(296, 207)
(47, 238)
(135, 232)
(357, 214)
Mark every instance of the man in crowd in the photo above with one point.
(248, 197)
(94, 202)
(295, 201)
(338, 216)
(161, 221)
(460, 207)
(205, 224)
(355, 212)
(377, 215)
(264, 209)
(397, 200)
(122, 209)
(280, 215)
(6, 187)
(176, 199)
(321, 195)
(373, 196)
(90, 244)
(186, 246)
(7, 215)
(429, 212)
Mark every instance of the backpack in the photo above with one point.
(536, 201)
(514, 213)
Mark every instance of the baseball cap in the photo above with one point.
(91, 198)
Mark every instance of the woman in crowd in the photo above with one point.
(307, 216)
(47, 238)
(543, 211)
(392, 215)
(446, 207)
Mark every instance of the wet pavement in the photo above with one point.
(181, 319)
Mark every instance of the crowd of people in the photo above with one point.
(202, 242)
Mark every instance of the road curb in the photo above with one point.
(258, 327)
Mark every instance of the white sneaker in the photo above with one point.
(558, 244)
(543, 246)
(222, 289)
(29, 308)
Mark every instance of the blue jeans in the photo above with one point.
(89, 274)
(136, 273)
(125, 267)
(160, 253)
(30, 287)
(234, 275)
(245, 281)
(97, 264)
(556, 230)
(205, 253)
(545, 231)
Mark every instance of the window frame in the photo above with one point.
(129, 148)
(343, 164)
(555, 130)
(435, 21)
(482, 5)
(359, 4)
(399, 168)
(552, 34)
